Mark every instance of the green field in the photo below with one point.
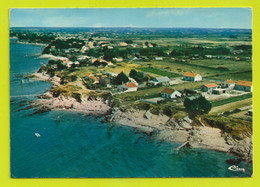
(155, 92)
(182, 67)
(159, 72)
(231, 100)
(247, 76)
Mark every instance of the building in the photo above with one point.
(133, 80)
(94, 79)
(118, 59)
(219, 91)
(228, 84)
(158, 58)
(170, 93)
(250, 112)
(123, 44)
(128, 87)
(246, 86)
(87, 75)
(160, 80)
(209, 87)
(189, 76)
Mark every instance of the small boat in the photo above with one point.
(37, 135)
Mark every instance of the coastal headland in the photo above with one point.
(198, 132)
(171, 88)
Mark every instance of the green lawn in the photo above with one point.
(247, 76)
(231, 100)
(159, 72)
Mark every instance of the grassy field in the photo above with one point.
(231, 106)
(122, 67)
(247, 76)
(182, 67)
(159, 72)
(241, 115)
(230, 64)
(231, 100)
(155, 92)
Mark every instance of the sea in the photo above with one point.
(75, 145)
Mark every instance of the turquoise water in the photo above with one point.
(81, 146)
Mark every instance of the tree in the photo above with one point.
(129, 41)
(198, 105)
(121, 78)
(60, 65)
(133, 73)
(138, 76)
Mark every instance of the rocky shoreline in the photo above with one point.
(39, 44)
(184, 130)
(160, 127)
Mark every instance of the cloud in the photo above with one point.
(169, 12)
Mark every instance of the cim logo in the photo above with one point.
(236, 168)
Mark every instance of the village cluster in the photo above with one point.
(103, 62)
(104, 78)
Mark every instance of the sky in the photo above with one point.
(133, 17)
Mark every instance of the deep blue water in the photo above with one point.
(82, 146)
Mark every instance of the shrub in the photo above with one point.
(198, 105)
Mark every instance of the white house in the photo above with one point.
(209, 87)
(118, 59)
(160, 80)
(170, 93)
(123, 44)
(133, 80)
(158, 58)
(128, 87)
(244, 86)
(228, 84)
(189, 76)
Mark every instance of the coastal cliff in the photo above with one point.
(163, 128)
(199, 132)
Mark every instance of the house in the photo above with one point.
(91, 44)
(94, 79)
(68, 63)
(244, 86)
(123, 44)
(219, 91)
(228, 84)
(208, 56)
(87, 75)
(158, 58)
(250, 112)
(94, 60)
(170, 93)
(83, 57)
(209, 87)
(118, 59)
(190, 76)
(133, 80)
(128, 87)
(110, 64)
(160, 80)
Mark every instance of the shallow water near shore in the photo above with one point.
(77, 145)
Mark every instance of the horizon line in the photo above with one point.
(130, 27)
